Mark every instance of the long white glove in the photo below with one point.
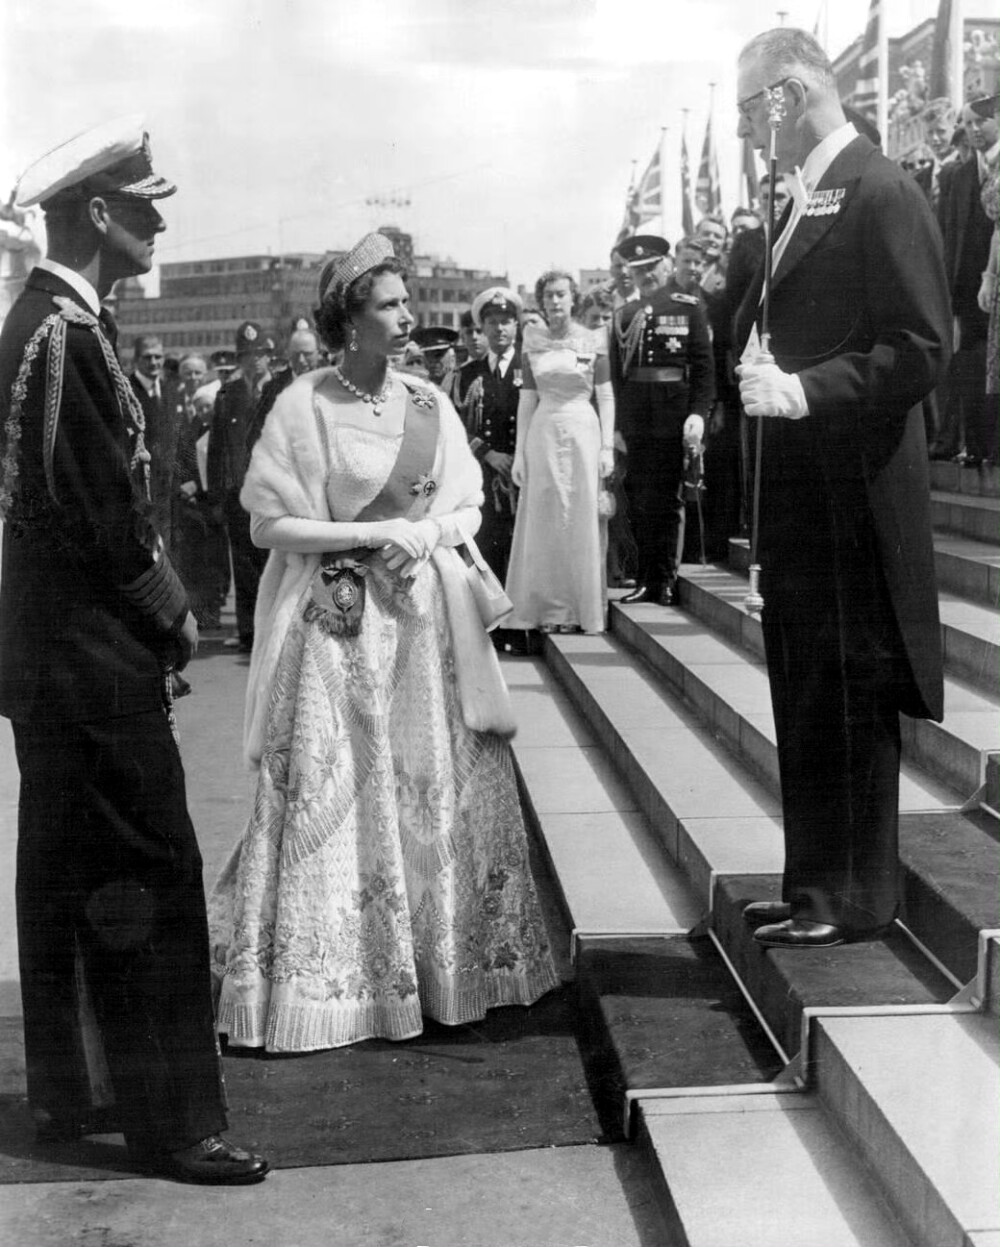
(526, 404)
(767, 391)
(605, 395)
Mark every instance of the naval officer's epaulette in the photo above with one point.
(679, 296)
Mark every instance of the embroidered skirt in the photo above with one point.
(383, 875)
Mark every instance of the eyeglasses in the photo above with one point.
(745, 106)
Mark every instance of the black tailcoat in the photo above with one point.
(859, 310)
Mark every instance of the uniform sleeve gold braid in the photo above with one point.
(10, 465)
(157, 593)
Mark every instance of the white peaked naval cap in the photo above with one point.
(110, 158)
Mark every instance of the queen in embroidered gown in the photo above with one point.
(383, 875)
(565, 447)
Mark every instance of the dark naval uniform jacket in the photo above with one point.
(491, 422)
(90, 607)
(661, 364)
(859, 312)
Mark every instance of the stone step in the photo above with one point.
(970, 639)
(611, 871)
(969, 515)
(663, 1014)
(715, 819)
(954, 479)
(969, 569)
(965, 567)
(954, 751)
(785, 983)
(765, 1170)
(991, 795)
(918, 1099)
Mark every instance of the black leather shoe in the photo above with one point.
(800, 933)
(641, 593)
(668, 595)
(212, 1162)
(759, 912)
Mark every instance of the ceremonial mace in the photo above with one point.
(775, 114)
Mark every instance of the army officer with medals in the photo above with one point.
(661, 370)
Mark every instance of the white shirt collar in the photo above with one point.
(825, 153)
(72, 278)
(150, 384)
(503, 359)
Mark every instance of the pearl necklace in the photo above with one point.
(377, 401)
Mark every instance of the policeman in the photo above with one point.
(234, 408)
(661, 370)
(438, 346)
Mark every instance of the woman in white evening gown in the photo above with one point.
(564, 450)
(383, 875)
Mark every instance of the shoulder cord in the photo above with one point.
(629, 339)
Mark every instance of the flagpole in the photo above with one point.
(882, 115)
(956, 51)
(663, 181)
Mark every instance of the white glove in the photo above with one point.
(694, 430)
(517, 469)
(767, 391)
(606, 463)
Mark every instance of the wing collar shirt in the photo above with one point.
(802, 183)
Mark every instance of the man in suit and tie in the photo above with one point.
(157, 395)
(860, 333)
(235, 405)
(112, 933)
(967, 233)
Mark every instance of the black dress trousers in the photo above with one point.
(109, 874)
(837, 672)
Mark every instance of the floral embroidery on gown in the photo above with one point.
(384, 872)
(556, 570)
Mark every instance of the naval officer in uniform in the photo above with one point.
(112, 934)
(661, 370)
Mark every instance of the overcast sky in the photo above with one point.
(511, 126)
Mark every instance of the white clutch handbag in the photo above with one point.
(488, 593)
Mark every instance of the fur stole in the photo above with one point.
(287, 476)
